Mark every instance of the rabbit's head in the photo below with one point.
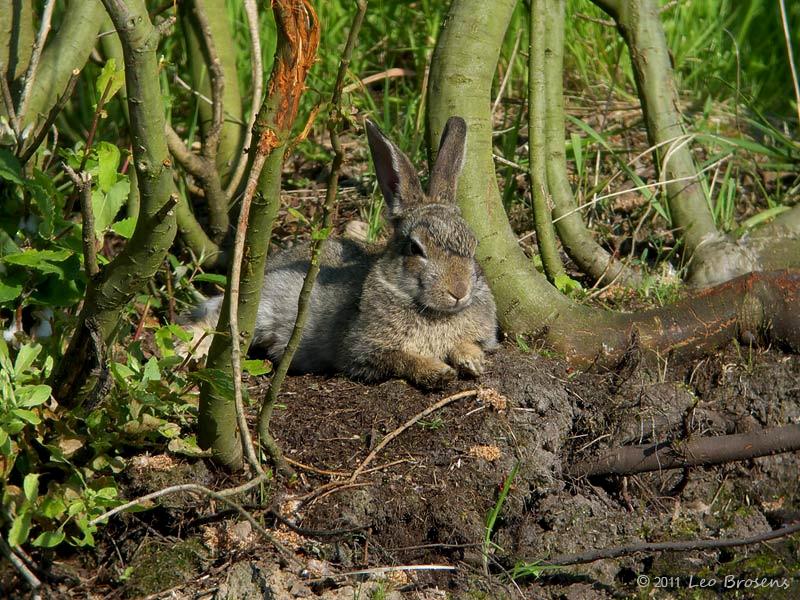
(430, 258)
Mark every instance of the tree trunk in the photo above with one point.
(592, 258)
(232, 135)
(755, 306)
(155, 229)
(67, 49)
(298, 37)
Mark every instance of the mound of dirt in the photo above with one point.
(434, 512)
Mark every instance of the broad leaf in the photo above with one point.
(20, 528)
(33, 395)
(124, 227)
(105, 206)
(108, 159)
(27, 354)
(49, 539)
(30, 485)
(10, 168)
(110, 77)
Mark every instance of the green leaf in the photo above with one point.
(566, 284)
(108, 159)
(297, 214)
(26, 415)
(20, 529)
(105, 206)
(30, 486)
(124, 227)
(151, 371)
(111, 74)
(52, 507)
(27, 354)
(256, 367)
(9, 292)
(321, 234)
(49, 539)
(41, 260)
(33, 395)
(10, 168)
(186, 446)
(220, 280)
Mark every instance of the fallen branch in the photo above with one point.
(30, 578)
(222, 496)
(682, 546)
(698, 451)
(385, 441)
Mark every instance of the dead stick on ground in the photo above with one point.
(683, 546)
(385, 441)
(222, 496)
(28, 575)
(697, 451)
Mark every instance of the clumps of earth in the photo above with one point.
(440, 496)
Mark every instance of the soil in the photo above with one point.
(426, 497)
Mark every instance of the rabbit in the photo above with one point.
(417, 307)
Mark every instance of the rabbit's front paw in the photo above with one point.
(468, 358)
(433, 374)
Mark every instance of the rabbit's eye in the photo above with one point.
(414, 248)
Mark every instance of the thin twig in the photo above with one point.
(228, 116)
(38, 46)
(236, 340)
(251, 12)
(385, 441)
(83, 185)
(51, 117)
(375, 77)
(28, 575)
(335, 119)
(507, 74)
(219, 496)
(683, 546)
(790, 53)
(212, 137)
(8, 101)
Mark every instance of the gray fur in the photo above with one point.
(417, 307)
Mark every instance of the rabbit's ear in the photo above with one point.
(449, 161)
(396, 176)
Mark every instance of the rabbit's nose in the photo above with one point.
(458, 291)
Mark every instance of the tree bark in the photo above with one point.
(155, 229)
(540, 191)
(233, 129)
(592, 258)
(67, 49)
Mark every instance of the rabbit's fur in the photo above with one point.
(418, 307)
